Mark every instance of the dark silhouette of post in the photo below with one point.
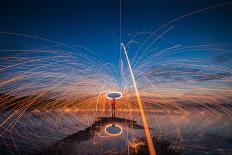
(113, 107)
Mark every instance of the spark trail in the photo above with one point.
(144, 119)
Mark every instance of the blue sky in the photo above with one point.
(95, 24)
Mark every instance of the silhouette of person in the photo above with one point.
(113, 107)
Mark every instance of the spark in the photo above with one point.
(144, 119)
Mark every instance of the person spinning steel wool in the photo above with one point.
(113, 96)
(113, 107)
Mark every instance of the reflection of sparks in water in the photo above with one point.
(113, 130)
(58, 77)
(135, 144)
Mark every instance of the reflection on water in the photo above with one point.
(195, 132)
(104, 138)
(95, 140)
(113, 130)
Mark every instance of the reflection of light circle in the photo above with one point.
(113, 130)
(114, 94)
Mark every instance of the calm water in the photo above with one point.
(194, 132)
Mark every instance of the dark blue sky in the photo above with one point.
(95, 23)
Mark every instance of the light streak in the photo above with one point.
(144, 119)
(36, 83)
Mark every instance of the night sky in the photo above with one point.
(95, 24)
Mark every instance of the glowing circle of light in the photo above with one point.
(113, 130)
(113, 94)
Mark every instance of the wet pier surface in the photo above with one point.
(95, 140)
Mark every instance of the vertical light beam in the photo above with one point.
(144, 119)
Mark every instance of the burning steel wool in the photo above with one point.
(165, 96)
